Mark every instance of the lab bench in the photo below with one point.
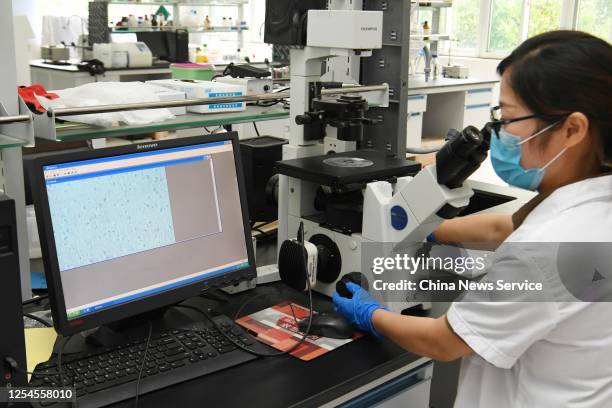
(53, 76)
(362, 373)
(440, 104)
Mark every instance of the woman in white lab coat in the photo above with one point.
(553, 135)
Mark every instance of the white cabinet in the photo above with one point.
(417, 105)
(477, 107)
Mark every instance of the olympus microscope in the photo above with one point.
(341, 195)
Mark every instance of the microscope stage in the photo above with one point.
(340, 169)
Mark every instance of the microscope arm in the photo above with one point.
(409, 214)
(406, 213)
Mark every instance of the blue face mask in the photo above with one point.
(506, 160)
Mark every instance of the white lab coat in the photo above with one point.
(542, 354)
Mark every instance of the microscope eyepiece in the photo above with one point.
(461, 155)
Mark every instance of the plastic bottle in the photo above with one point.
(132, 22)
(435, 62)
(201, 54)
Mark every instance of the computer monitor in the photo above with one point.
(132, 229)
(169, 45)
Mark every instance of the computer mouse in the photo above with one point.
(328, 325)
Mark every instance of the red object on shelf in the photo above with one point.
(28, 94)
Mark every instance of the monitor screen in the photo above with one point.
(157, 41)
(142, 223)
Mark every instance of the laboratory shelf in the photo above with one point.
(431, 37)
(77, 131)
(7, 141)
(434, 3)
(181, 2)
(191, 29)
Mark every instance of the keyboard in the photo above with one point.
(174, 356)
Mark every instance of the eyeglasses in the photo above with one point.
(497, 122)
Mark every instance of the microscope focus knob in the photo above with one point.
(304, 119)
(355, 277)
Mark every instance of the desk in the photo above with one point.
(286, 381)
(441, 104)
(360, 373)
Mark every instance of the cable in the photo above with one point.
(254, 352)
(214, 130)
(59, 360)
(34, 300)
(267, 104)
(256, 130)
(15, 366)
(144, 359)
(38, 319)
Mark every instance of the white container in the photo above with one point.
(206, 89)
(104, 53)
(253, 86)
(167, 94)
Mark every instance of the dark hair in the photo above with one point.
(561, 72)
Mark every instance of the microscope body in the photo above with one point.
(343, 197)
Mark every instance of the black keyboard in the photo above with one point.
(174, 356)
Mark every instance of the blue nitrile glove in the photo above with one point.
(359, 309)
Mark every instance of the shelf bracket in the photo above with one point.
(23, 131)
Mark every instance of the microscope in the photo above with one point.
(341, 195)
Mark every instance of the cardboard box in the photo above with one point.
(167, 94)
(206, 89)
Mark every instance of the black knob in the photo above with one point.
(355, 277)
(304, 119)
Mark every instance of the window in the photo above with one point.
(492, 28)
(544, 15)
(595, 17)
(505, 24)
(465, 15)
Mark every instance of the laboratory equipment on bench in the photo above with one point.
(206, 89)
(455, 71)
(139, 229)
(123, 55)
(55, 54)
(254, 79)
